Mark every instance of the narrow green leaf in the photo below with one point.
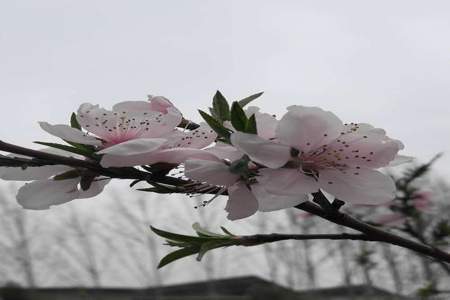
(67, 175)
(221, 107)
(205, 233)
(226, 231)
(215, 125)
(238, 117)
(87, 178)
(178, 254)
(250, 127)
(212, 245)
(179, 237)
(74, 122)
(249, 99)
(66, 148)
(86, 148)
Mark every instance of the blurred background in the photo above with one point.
(381, 62)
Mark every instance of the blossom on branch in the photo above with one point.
(313, 149)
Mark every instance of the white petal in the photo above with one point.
(172, 156)
(70, 134)
(241, 202)
(371, 149)
(225, 151)
(308, 128)
(155, 104)
(401, 159)
(271, 202)
(31, 173)
(288, 182)
(134, 147)
(198, 138)
(42, 194)
(132, 106)
(96, 188)
(262, 151)
(358, 186)
(266, 124)
(118, 126)
(160, 103)
(212, 172)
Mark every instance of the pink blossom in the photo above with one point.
(44, 191)
(312, 149)
(154, 104)
(135, 131)
(175, 149)
(245, 197)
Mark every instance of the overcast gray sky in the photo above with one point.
(382, 62)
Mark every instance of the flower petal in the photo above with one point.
(225, 151)
(171, 156)
(212, 172)
(288, 182)
(198, 138)
(155, 104)
(70, 134)
(401, 159)
(358, 186)
(31, 173)
(262, 151)
(119, 126)
(266, 124)
(134, 147)
(42, 194)
(241, 202)
(371, 149)
(308, 128)
(132, 106)
(96, 188)
(160, 103)
(270, 202)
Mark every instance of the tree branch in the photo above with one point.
(332, 214)
(371, 231)
(258, 239)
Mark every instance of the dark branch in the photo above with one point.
(374, 232)
(258, 239)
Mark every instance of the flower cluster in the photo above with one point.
(262, 163)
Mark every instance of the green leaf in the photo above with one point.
(250, 127)
(67, 175)
(179, 237)
(212, 245)
(226, 231)
(66, 148)
(213, 113)
(86, 148)
(74, 122)
(205, 233)
(87, 178)
(238, 117)
(215, 125)
(221, 108)
(240, 166)
(178, 254)
(249, 99)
